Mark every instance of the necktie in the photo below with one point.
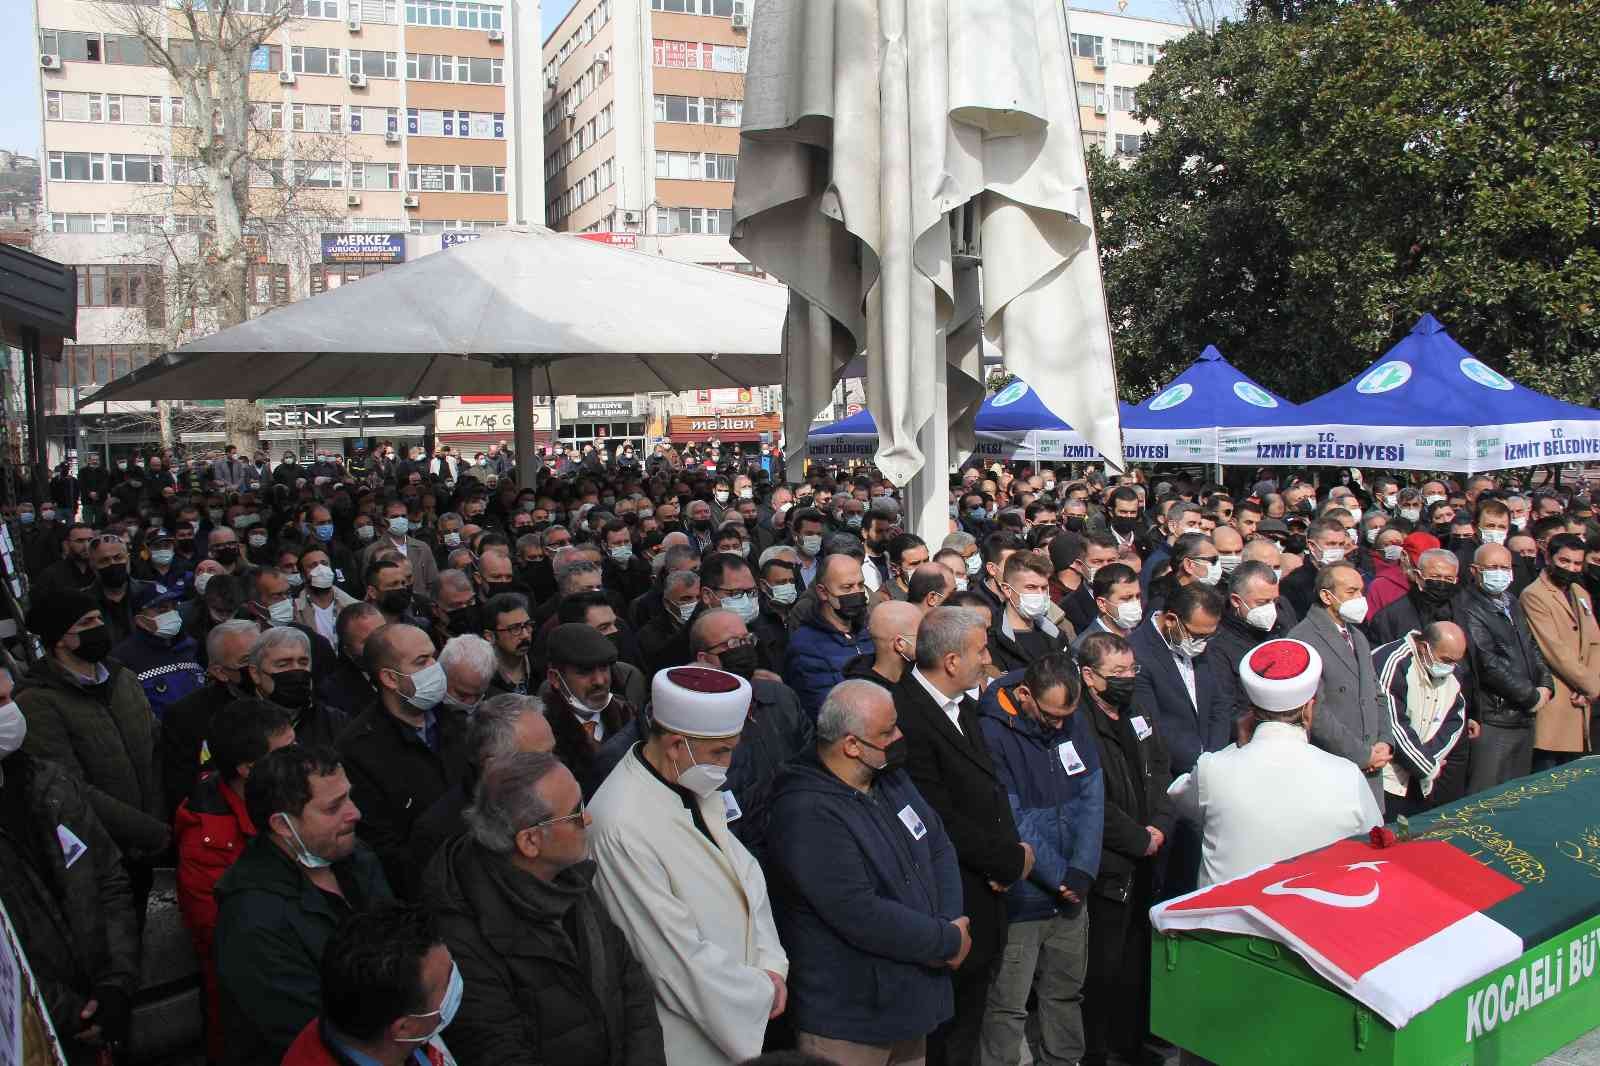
(588, 728)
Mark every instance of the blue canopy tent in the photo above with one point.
(1427, 404)
(1182, 422)
(1013, 423)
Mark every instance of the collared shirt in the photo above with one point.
(428, 733)
(101, 675)
(342, 1044)
(1185, 670)
(400, 547)
(950, 705)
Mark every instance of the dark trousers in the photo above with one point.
(1177, 869)
(1548, 760)
(1499, 754)
(1451, 784)
(1116, 996)
(955, 1043)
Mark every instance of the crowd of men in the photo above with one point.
(655, 762)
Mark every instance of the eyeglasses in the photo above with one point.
(575, 816)
(746, 641)
(516, 627)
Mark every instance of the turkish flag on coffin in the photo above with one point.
(1398, 928)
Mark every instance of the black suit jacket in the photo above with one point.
(1188, 729)
(953, 771)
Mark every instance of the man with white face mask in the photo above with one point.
(1511, 681)
(87, 980)
(582, 710)
(1023, 633)
(1352, 720)
(406, 752)
(302, 874)
(1252, 619)
(687, 894)
(159, 653)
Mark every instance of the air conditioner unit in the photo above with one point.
(49, 62)
(352, 200)
(552, 78)
(411, 202)
(358, 81)
(603, 59)
(391, 137)
(1099, 109)
(1099, 61)
(354, 23)
(285, 77)
(741, 21)
(630, 218)
(497, 35)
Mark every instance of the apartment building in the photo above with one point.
(395, 120)
(644, 100)
(1112, 55)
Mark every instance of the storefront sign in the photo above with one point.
(313, 417)
(599, 409)
(363, 248)
(452, 238)
(497, 419)
(726, 428)
(616, 240)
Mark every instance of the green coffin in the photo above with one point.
(1240, 1000)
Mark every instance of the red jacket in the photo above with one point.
(309, 1049)
(1389, 583)
(211, 828)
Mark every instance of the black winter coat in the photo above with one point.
(1507, 667)
(549, 978)
(1136, 774)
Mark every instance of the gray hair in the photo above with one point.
(677, 579)
(844, 712)
(222, 631)
(530, 540)
(275, 638)
(492, 733)
(451, 516)
(471, 651)
(778, 551)
(679, 554)
(454, 581)
(1248, 572)
(958, 542)
(568, 568)
(943, 632)
(1433, 554)
(507, 799)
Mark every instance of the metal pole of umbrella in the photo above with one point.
(522, 419)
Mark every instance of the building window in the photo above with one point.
(307, 59)
(695, 166)
(315, 9)
(1129, 144)
(317, 118)
(697, 55)
(319, 175)
(704, 110)
(376, 176)
(83, 365)
(1137, 53)
(1089, 46)
(77, 166)
(70, 45)
(267, 57)
(693, 220)
(1125, 98)
(717, 8)
(268, 284)
(118, 285)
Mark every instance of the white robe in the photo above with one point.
(696, 915)
(1273, 799)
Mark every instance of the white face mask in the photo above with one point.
(428, 687)
(365, 532)
(961, 584)
(281, 613)
(258, 540)
(974, 564)
(1277, 574)
(1496, 581)
(582, 705)
(1033, 604)
(161, 556)
(1354, 611)
(13, 728)
(1440, 671)
(1372, 534)
(747, 494)
(686, 610)
(745, 605)
(294, 579)
(783, 594)
(1263, 617)
(721, 495)
(322, 576)
(1431, 498)
(452, 540)
(1329, 556)
(811, 544)
(700, 778)
(1129, 613)
(201, 581)
(168, 624)
(1392, 552)
(1213, 573)
(399, 526)
(1391, 501)
(622, 552)
(1229, 563)
(1492, 536)
(1411, 514)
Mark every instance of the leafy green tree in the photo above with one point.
(1325, 172)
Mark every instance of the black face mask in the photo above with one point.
(895, 754)
(1438, 590)
(464, 620)
(1591, 574)
(1561, 578)
(94, 644)
(395, 601)
(227, 555)
(741, 661)
(702, 524)
(114, 576)
(1073, 523)
(291, 689)
(1124, 524)
(496, 588)
(851, 607)
(1119, 691)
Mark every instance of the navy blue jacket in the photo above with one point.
(1060, 813)
(168, 670)
(814, 661)
(1186, 728)
(863, 904)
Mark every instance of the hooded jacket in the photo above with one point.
(549, 977)
(1054, 782)
(867, 928)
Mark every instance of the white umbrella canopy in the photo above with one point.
(888, 144)
(592, 319)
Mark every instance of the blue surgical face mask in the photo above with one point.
(324, 531)
(447, 1007)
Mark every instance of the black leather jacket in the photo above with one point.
(1507, 668)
